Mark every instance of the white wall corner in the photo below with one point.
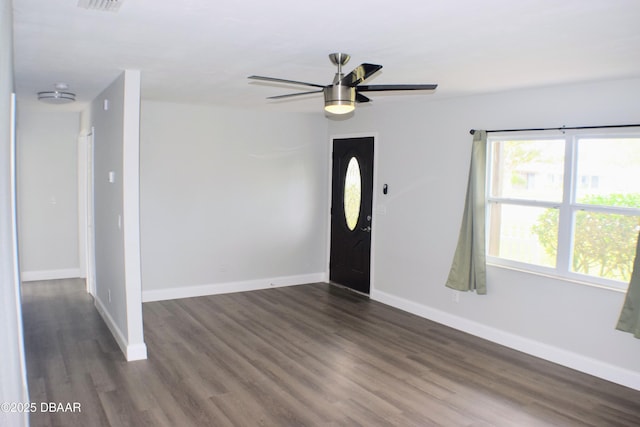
(131, 212)
(136, 352)
(544, 351)
(131, 350)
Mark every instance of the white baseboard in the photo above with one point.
(553, 354)
(136, 352)
(32, 276)
(131, 351)
(230, 287)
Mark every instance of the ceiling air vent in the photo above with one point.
(105, 5)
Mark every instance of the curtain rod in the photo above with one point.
(472, 131)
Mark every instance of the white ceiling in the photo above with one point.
(202, 50)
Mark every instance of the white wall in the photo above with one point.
(117, 246)
(48, 194)
(231, 199)
(424, 150)
(13, 380)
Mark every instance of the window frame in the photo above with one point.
(567, 207)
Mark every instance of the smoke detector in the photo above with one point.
(104, 5)
(57, 96)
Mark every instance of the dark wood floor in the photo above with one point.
(312, 355)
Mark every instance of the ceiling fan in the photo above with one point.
(341, 95)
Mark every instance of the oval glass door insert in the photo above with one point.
(352, 193)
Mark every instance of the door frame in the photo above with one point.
(374, 198)
(86, 231)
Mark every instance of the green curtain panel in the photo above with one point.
(630, 316)
(468, 270)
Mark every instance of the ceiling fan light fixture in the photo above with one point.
(56, 97)
(339, 99)
(102, 5)
(337, 108)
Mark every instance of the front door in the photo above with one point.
(351, 203)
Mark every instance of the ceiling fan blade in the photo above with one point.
(381, 88)
(361, 98)
(289, 95)
(273, 79)
(359, 74)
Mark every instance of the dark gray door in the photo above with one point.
(351, 204)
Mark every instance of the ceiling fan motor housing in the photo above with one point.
(339, 95)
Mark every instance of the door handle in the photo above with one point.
(366, 229)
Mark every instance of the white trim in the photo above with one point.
(132, 351)
(81, 150)
(89, 245)
(374, 212)
(136, 352)
(131, 205)
(86, 252)
(230, 287)
(14, 251)
(329, 202)
(67, 273)
(553, 354)
(524, 270)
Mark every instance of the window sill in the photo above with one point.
(559, 278)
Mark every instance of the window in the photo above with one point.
(352, 193)
(567, 206)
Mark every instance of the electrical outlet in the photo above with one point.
(455, 296)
